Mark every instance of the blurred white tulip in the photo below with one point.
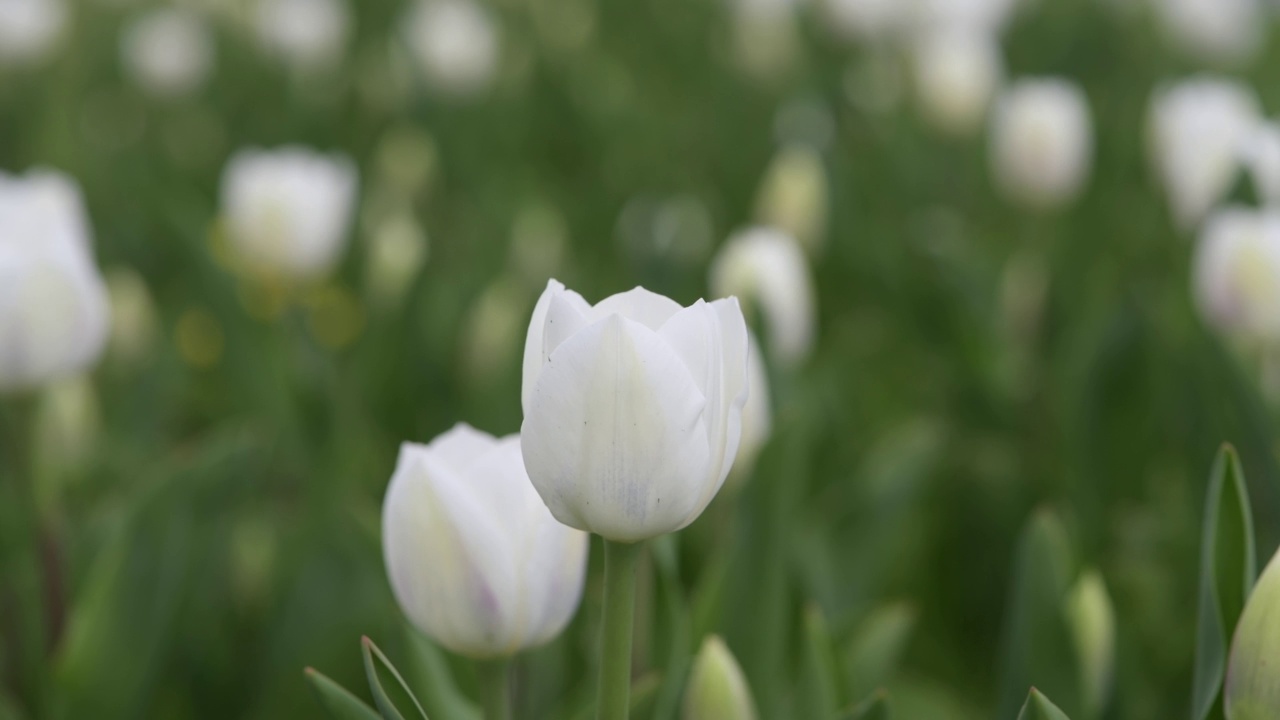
(793, 195)
(987, 16)
(766, 269)
(1237, 273)
(53, 302)
(30, 29)
(757, 416)
(288, 211)
(167, 52)
(1260, 154)
(865, 20)
(717, 688)
(455, 43)
(957, 73)
(1220, 31)
(1196, 130)
(475, 559)
(765, 38)
(633, 408)
(305, 34)
(395, 253)
(1041, 142)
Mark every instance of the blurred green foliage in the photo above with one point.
(226, 534)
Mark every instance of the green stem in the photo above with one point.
(495, 688)
(619, 613)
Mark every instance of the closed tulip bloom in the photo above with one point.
(168, 52)
(1252, 687)
(1041, 142)
(475, 559)
(288, 211)
(957, 73)
(1221, 31)
(1197, 128)
(305, 34)
(633, 408)
(30, 29)
(455, 43)
(1237, 273)
(54, 313)
(767, 269)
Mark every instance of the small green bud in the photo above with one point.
(717, 688)
(1093, 625)
(1252, 690)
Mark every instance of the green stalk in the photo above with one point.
(619, 613)
(495, 688)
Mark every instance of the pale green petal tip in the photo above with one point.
(717, 687)
(1252, 689)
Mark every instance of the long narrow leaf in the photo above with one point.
(338, 701)
(372, 658)
(1038, 707)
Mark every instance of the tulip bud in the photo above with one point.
(395, 255)
(1222, 31)
(1093, 625)
(30, 29)
(766, 268)
(1041, 142)
(1236, 273)
(305, 34)
(53, 302)
(133, 316)
(793, 196)
(957, 72)
(1196, 130)
(633, 408)
(288, 211)
(717, 688)
(167, 52)
(455, 43)
(1252, 689)
(757, 416)
(475, 559)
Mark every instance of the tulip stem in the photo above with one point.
(619, 611)
(495, 688)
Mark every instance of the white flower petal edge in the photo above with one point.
(475, 559)
(633, 408)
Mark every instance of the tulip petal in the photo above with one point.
(614, 438)
(461, 446)
(535, 351)
(647, 308)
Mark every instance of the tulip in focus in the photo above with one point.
(1041, 142)
(305, 34)
(1237, 273)
(167, 52)
(1221, 31)
(475, 559)
(717, 687)
(957, 73)
(30, 29)
(766, 269)
(793, 196)
(1197, 127)
(288, 211)
(53, 302)
(633, 408)
(1252, 688)
(455, 42)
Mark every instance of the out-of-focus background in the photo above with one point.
(1026, 297)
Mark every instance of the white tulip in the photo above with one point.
(53, 302)
(475, 559)
(865, 20)
(1041, 141)
(1237, 273)
(167, 52)
(766, 268)
(1222, 31)
(455, 43)
(1196, 129)
(757, 416)
(306, 34)
(988, 16)
(633, 408)
(30, 29)
(288, 211)
(1260, 153)
(957, 73)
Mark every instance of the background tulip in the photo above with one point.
(1237, 273)
(455, 43)
(957, 72)
(53, 302)
(1041, 141)
(757, 415)
(475, 559)
(306, 34)
(288, 210)
(633, 408)
(1252, 690)
(167, 52)
(30, 29)
(767, 269)
(717, 689)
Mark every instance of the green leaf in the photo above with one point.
(673, 608)
(875, 649)
(1038, 707)
(384, 702)
(875, 707)
(430, 670)
(1228, 568)
(644, 691)
(1039, 648)
(340, 703)
(819, 694)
